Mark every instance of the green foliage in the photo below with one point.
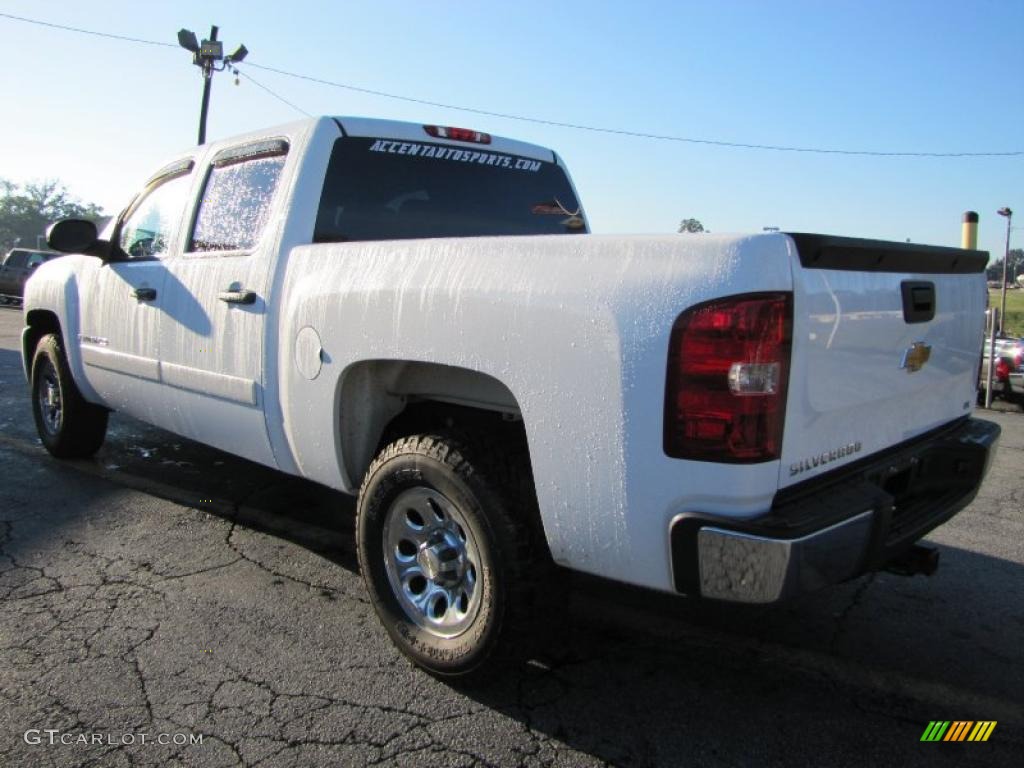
(691, 225)
(1013, 323)
(1014, 266)
(26, 210)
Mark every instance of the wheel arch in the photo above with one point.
(38, 323)
(381, 400)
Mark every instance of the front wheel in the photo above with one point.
(68, 426)
(449, 553)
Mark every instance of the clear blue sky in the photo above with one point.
(887, 76)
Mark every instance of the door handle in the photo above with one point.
(240, 296)
(144, 294)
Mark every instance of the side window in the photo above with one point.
(35, 259)
(235, 204)
(147, 230)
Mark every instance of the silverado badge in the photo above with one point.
(915, 357)
(813, 462)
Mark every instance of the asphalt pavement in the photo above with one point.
(166, 604)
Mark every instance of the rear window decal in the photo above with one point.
(455, 155)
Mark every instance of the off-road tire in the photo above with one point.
(81, 427)
(491, 485)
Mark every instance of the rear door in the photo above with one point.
(886, 345)
(213, 324)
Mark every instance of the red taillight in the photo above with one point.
(457, 134)
(728, 367)
(1002, 370)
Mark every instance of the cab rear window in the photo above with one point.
(385, 189)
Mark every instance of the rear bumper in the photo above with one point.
(837, 526)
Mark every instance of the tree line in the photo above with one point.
(1014, 267)
(26, 210)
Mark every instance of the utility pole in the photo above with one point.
(207, 66)
(1006, 260)
(205, 55)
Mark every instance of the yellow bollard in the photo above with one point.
(969, 232)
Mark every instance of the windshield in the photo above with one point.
(382, 189)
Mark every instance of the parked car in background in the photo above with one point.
(1008, 376)
(17, 265)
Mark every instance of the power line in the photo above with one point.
(633, 134)
(277, 96)
(86, 31)
(125, 38)
(535, 120)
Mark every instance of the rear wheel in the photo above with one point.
(449, 552)
(68, 426)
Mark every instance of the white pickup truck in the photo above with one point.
(417, 315)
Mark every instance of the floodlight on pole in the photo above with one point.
(211, 50)
(187, 40)
(205, 55)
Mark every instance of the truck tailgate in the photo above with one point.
(886, 345)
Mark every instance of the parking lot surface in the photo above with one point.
(165, 592)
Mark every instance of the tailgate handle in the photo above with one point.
(918, 300)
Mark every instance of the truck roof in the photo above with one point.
(376, 128)
(405, 131)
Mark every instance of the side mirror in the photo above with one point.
(72, 236)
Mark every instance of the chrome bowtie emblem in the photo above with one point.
(915, 357)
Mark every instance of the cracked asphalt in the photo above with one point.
(165, 588)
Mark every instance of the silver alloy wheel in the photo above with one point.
(49, 395)
(432, 562)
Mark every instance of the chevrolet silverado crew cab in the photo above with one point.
(417, 315)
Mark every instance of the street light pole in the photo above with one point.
(207, 66)
(1006, 260)
(205, 56)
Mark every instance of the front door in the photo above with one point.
(123, 300)
(212, 327)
